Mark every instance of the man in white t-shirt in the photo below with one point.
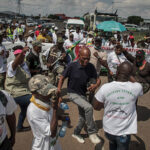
(7, 108)
(3, 63)
(77, 35)
(42, 114)
(114, 59)
(119, 101)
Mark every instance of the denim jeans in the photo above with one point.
(118, 142)
(23, 102)
(85, 113)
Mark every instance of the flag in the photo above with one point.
(73, 51)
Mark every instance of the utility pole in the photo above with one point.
(19, 6)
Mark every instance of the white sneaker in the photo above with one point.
(78, 137)
(94, 139)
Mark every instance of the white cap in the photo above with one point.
(56, 28)
(30, 32)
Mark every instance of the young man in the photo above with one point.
(119, 98)
(7, 108)
(79, 74)
(42, 114)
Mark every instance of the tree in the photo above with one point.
(135, 20)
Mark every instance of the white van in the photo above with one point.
(74, 23)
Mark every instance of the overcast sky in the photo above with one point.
(79, 7)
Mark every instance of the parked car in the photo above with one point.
(140, 28)
(30, 23)
(131, 27)
(2, 21)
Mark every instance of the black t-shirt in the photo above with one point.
(33, 62)
(79, 76)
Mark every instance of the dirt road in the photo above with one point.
(141, 141)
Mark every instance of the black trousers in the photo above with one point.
(6, 145)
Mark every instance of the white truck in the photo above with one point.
(93, 19)
(74, 23)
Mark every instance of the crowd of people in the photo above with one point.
(23, 81)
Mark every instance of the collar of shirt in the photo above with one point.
(80, 66)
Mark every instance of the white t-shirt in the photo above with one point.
(114, 61)
(39, 121)
(67, 44)
(54, 36)
(84, 41)
(3, 60)
(12, 72)
(76, 36)
(119, 98)
(8, 110)
(126, 44)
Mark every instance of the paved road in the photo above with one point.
(138, 142)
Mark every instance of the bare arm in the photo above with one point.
(11, 121)
(97, 105)
(128, 56)
(54, 123)
(19, 58)
(60, 83)
(102, 62)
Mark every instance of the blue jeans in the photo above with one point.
(23, 102)
(118, 142)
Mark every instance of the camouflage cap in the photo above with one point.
(37, 43)
(41, 84)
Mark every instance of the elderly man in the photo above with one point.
(119, 98)
(79, 73)
(42, 114)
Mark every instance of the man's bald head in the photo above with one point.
(84, 56)
(84, 51)
(124, 71)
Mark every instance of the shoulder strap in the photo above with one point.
(3, 99)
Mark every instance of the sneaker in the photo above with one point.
(94, 139)
(23, 129)
(78, 137)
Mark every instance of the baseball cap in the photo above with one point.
(140, 53)
(17, 51)
(56, 28)
(37, 43)
(41, 84)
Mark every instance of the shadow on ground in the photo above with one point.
(137, 145)
(143, 113)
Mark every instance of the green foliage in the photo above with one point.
(135, 20)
